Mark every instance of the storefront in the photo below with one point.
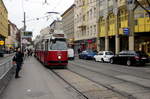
(124, 42)
(112, 43)
(85, 44)
(2, 39)
(142, 42)
(102, 43)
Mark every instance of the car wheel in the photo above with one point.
(111, 61)
(95, 60)
(128, 62)
(85, 58)
(102, 60)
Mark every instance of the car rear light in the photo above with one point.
(136, 57)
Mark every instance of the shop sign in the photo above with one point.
(89, 41)
(1, 42)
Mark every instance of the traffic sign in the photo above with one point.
(126, 31)
(1, 42)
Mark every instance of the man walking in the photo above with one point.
(18, 59)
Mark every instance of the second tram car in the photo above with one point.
(51, 50)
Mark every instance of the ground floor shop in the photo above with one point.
(112, 46)
(142, 42)
(86, 44)
(2, 46)
(121, 42)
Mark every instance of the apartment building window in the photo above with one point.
(90, 13)
(77, 2)
(94, 12)
(83, 17)
(87, 30)
(91, 30)
(83, 3)
(123, 15)
(95, 29)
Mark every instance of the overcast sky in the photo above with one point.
(35, 9)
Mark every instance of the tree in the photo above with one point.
(145, 8)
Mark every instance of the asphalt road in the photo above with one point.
(131, 81)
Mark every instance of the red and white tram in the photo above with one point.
(51, 50)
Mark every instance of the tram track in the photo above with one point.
(80, 93)
(130, 96)
(112, 76)
(86, 62)
(85, 93)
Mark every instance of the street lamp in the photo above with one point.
(53, 12)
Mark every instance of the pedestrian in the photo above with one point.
(79, 51)
(18, 59)
(25, 54)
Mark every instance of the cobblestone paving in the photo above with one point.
(87, 87)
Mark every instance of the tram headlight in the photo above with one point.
(59, 57)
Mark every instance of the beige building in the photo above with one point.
(68, 24)
(85, 24)
(45, 31)
(11, 41)
(56, 25)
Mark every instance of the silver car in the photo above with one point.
(104, 56)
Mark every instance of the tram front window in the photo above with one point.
(59, 45)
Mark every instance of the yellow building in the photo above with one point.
(115, 27)
(3, 22)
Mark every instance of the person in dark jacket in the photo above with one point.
(18, 59)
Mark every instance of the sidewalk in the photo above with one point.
(36, 82)
(2, 59)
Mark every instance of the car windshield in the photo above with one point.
(90, 52)
(59, 45)
(109, 53)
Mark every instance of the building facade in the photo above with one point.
(56, 25)
(3, 23)
(45, 31)
(11, 40)
(68, 25)
(85, 24)
(122, 26)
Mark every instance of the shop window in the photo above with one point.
(148, 50)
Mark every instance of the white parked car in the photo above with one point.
(104, 56)
(71, 53)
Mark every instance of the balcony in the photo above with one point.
(82, 24)
(121, 3)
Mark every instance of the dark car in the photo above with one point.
(130, 58)
(87, 54)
